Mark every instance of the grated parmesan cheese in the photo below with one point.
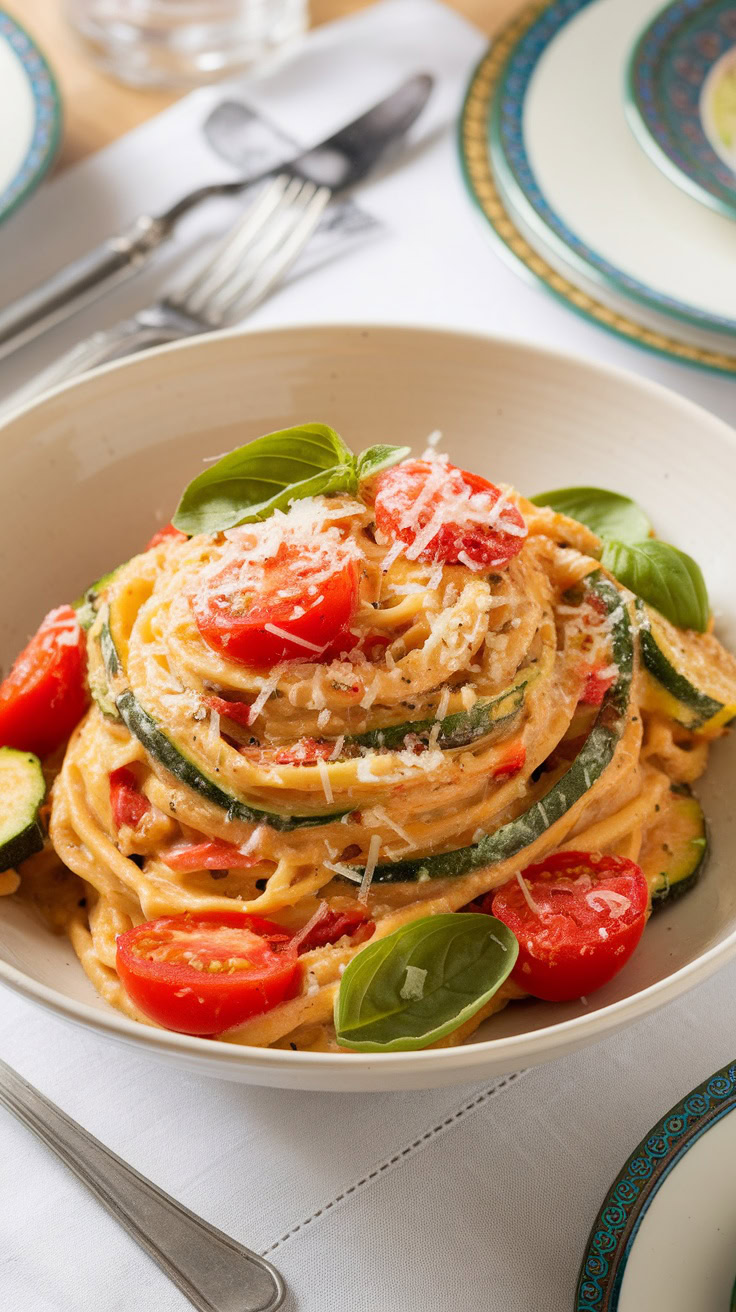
(601, 899)
(324, 776)
(292, 637)
(413, 987)
(374, 847)
(532, 905)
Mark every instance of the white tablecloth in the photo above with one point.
(476, 1198)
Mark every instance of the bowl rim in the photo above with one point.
(516, 1050)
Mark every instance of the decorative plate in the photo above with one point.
(569, 170)
(664, 1237)
(682, 97)
(624, 319)
(30, 115)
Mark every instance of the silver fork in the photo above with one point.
(234, 278)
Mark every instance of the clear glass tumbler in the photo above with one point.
(174, 43)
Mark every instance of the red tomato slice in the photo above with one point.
(327, 926)
(419, 496)
(205, 973)
(209, 854)
(163, 535)
(512, 762)
(127, 803)
(238, 712)
(307, 751)
(301, 609)
(45, 694)
(586, 916)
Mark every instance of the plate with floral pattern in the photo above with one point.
(664, 1236)
(30, 115)
(682, 97)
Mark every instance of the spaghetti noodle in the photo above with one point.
(450, 719)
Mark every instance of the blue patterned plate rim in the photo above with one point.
(47, 115)
(519, 184)
(627, 1201)
(673, 135)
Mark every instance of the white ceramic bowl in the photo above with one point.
(89, 470)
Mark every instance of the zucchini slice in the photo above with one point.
(589, 764)
(22, 790)
(86, 605)
(143, 727)
(675, 850)
(458, 730)
(694, 679)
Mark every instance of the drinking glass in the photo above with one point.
(183, 42)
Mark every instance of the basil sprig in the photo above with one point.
(607, 514)
(269, 473)
(412, 987)
(666, 578)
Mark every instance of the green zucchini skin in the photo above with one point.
(688, 859)
(592, 759)
(656, 663)
(22, 790)
(143, 727)
(86, 605)
(459, 730)
(100, 690)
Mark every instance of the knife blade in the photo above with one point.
(339, 162)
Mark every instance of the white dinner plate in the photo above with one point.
(664, 1239)
(30, 115)
(495, 92)
(586, 194)
(88, 470)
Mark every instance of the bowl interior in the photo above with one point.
(90, 472)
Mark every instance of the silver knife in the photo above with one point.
(339, 162)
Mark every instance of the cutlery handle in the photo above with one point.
(214, 1272)
(125, 338)
(79, 283)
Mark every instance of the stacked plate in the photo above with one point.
(599, 139)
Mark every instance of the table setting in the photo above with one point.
(503, 232)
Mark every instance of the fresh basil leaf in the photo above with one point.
(664, 577)
(410, 988)
(375, 458)
(265, 475)
(607, 514)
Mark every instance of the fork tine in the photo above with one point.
(269, 240)
(228, 250)
(256, 286)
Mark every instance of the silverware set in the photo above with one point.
(248, 262)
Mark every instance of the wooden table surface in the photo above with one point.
(98, 109)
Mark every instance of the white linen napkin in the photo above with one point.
(416, 1202)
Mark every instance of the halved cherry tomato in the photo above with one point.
(127, 802)
(301, 610)
(420, 495)
(209, 854)
(584, 917)
(238, 712)
(307, 751)
(327, 926)
(596, 686)
(205, 973)
(513, 760)
(45, 694)
(163, 534)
